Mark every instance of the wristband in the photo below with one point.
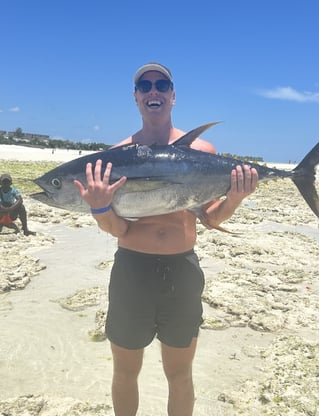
(100, 210)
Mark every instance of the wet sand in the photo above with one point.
(258, 349)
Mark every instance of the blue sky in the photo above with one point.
(67, 69)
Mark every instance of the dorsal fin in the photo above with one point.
(189, 137)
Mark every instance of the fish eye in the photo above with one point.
(56, 183)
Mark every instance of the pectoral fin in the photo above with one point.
(203, 218)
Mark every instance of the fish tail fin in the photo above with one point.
(304, 176)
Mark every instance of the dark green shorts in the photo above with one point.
(152, 294)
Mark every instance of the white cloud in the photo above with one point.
(14, 109)
(290, 94)
(96, 128)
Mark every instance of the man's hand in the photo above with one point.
(99, 192)
(243, 182)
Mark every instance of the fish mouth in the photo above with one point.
(45, 198)
(42, 196)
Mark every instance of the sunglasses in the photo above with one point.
(161, 85)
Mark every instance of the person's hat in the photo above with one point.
(153, 66)
(5, 177)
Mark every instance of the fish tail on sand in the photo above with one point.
(304, 176)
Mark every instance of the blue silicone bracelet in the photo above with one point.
(100, 210)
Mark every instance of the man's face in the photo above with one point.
(5, 185)
(157, 100)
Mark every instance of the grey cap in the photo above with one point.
(152, 66)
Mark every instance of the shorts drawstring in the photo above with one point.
(163, 270)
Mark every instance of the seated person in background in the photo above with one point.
(11, 203)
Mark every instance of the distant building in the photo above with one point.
(26, 137)
(43, 138)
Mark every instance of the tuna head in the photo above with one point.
(60, 191)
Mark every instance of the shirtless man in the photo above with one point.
(156, 281)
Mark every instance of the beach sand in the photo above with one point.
(258, 349)
(23, 153)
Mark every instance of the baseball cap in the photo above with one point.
(5, 176)
(153, 66)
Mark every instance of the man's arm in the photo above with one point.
(111, 223)
(17, 204)
(9, 208)
(243, 182)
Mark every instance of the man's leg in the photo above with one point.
(8, 221)
(177, 364)
(126, 368)
(23, 218)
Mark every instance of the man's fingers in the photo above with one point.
(118, 184)
(107, 173)
(89, 173)
(97, 171)
(79, 185)
(254, 178)
(244, 179)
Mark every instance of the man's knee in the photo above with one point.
(126, 363)
(180, 377)
(178, 362)
(22, 210)
(14, 216)
(19, 211)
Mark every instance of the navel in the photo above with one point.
(161, 233)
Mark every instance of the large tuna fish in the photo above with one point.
(166, 178)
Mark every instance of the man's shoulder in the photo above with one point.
(14, 191)
(124, 142)
(203, 146)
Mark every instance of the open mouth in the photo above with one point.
(41, 196)
(154, 103)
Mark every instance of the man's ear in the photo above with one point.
(173, 99)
